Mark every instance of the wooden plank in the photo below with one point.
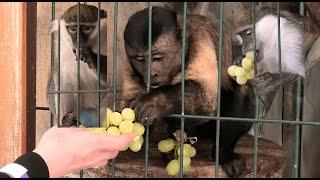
(310, 145)
(12, 81)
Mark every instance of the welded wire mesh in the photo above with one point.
(256, 121)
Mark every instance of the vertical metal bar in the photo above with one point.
(78, 61)
(298, 127)
(148, 87)
(78, 71)
(59, 60)
(53, 17)
(219, 90)
(255, 151)
(98, 66)
(114, 63)
(279, 38)
(183, 83)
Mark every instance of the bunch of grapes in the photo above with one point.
(116, 123)
(167, 145)
(244, 73)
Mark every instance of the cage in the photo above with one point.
(279, 146)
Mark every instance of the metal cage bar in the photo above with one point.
(78, 71)
(98, 64)
(297, 159)
(279, 37)
(146, 157)
(256, 128)
(214, 118)
(182, 116)
(219, 90)
(59, 60)
(53, 17)
(114, 64)
(183, 85)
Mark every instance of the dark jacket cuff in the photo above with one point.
(34, 163)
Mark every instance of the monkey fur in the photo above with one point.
(201, 81)
(88, 42)
(268, 78)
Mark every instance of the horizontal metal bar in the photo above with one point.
(245, 119)
(79, 91)
(42, 108)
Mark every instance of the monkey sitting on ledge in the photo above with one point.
(201, 81)
(268, 78)
(88, 56)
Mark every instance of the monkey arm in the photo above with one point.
(91, 58)
(268, 85)
(165, 101)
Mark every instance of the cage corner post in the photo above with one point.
(17, 79)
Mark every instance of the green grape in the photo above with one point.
(187, 169)
(173, 167)
(192, 151)
(126, 127)
(250, 74)
(113, 131)
(186, 161)
(138, 139)
(246, 64)
(106, 121)
(186, 150)
(101, 131)
(240, 72)
(250, 55)
(115, 118)
(241, 80)
(128, 114)
(166, 145)
(135, 146)
(232, 69)
(138, 129)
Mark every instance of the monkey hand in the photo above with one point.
(147, 109)
(267, 85)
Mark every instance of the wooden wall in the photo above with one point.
(17, 97)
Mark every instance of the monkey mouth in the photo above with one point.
(82, 55)
(155, 85)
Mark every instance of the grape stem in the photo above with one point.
(192, 140)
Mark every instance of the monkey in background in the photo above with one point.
(88, 53)
(268, 78)
(201, 81)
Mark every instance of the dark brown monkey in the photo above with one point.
(201, 80)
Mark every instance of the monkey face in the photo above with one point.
(88, 27)
(165, 62)
(86, 31)
(245, 39)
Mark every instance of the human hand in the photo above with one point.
(68, 149)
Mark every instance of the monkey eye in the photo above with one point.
(248, 32)
(72, 29)
(86, 29)
(157, 57)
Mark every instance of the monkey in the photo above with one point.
(268, 78)
(88, 54)
(201, 80)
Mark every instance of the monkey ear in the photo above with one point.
(103, 14)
